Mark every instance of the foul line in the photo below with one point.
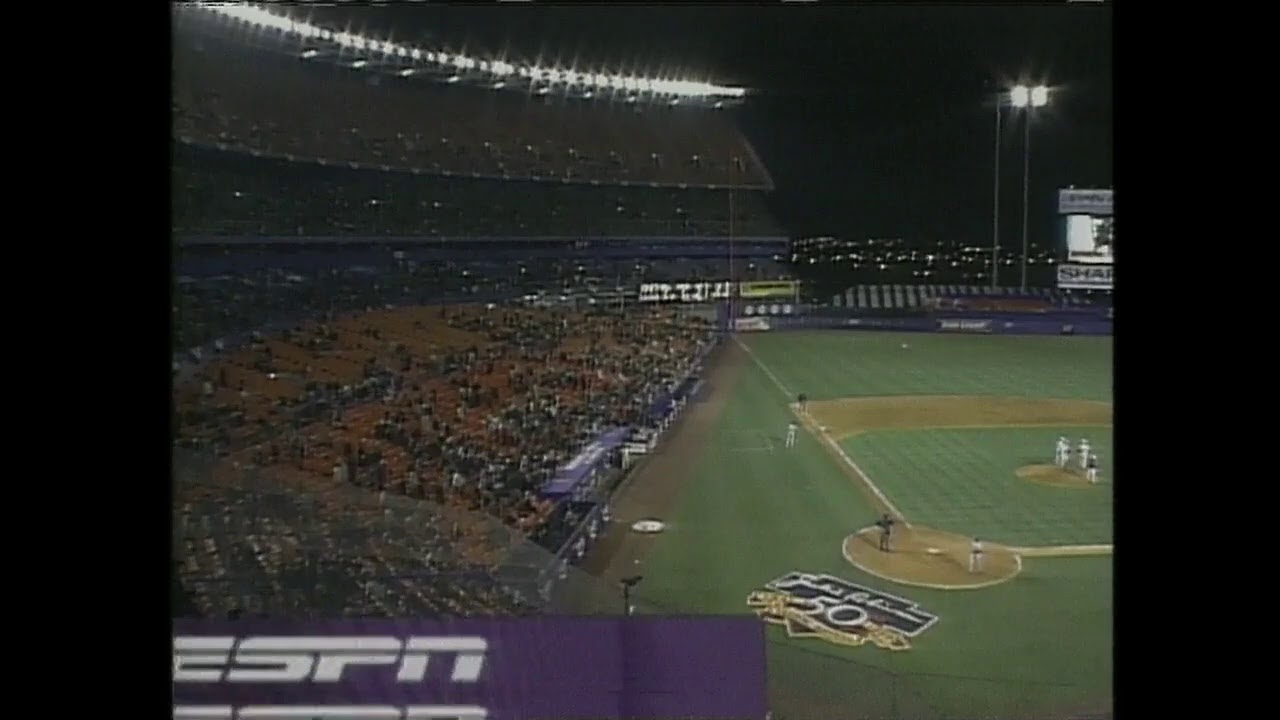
(821, 435)
(1065, 550)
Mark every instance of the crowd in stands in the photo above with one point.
(255, 290)
(276, 103)
(273, 543)
(347, 444)
(220, 192)
(464, 408)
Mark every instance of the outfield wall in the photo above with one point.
(967, 323)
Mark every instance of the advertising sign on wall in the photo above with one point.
(751, 324)
(768, 309)
(1085, 202)
(699, 292)
(768, 289)
(690, 292)
(972, 326)
(1086, 277)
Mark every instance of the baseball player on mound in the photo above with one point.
(1061, 451)
(1084, 453)
(975, 556)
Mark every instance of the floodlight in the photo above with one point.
(646, 85)
(1039, 96)
(431, 57)
(361, 43)
(387, 47)
(1020, 96)
(630, 84)
(416, 54)
(563, 76)
(501, 68)
(615, 82)
(442, 58)
(402, 51)
(460, 62)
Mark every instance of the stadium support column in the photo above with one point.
(733, 283)
(995, 209)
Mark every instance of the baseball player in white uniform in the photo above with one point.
(1061, 451)
(975, 556)
(1084, 453)
(792, 427)
(1093, 468)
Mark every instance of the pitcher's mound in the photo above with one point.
(1054, 476)
(929, 558)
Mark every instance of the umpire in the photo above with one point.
(803, 401)
(885, 523)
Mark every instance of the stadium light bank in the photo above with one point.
(495, 73)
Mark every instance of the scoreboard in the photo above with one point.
(1088, 224)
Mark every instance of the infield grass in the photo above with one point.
(1040, 644)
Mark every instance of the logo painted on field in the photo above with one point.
(828, 608)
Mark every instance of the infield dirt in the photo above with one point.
(924, 556)
(1054, 476)
(930, 558)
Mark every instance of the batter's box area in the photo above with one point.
(751, 441)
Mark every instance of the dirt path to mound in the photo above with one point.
(653, 488)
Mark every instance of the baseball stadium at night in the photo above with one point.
(642, 362)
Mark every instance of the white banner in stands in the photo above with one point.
(1086, 277)
(691, 292)
(751, 324)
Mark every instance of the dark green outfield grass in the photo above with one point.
(1038, 645)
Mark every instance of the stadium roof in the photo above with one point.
(360, 51)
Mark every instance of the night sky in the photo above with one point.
(874, 121)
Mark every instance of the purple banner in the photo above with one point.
(497, 669)
(577, 473)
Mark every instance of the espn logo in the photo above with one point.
(293, 660)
